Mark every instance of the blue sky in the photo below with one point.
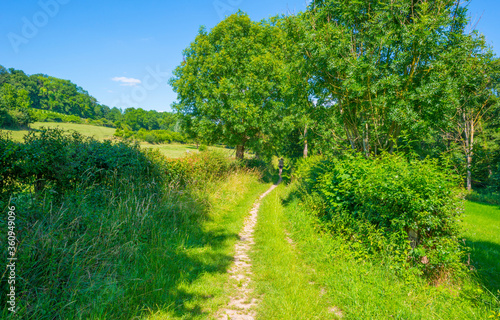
(123, 52)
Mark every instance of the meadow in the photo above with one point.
(171, 150)
(97, 132)
(380, 115)
(118, 231)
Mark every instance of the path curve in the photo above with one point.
(241, 306)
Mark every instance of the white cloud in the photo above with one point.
(124, 81)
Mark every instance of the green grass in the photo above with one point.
(203, 257)
(482, 231)
(282, 277)
(175, 150)
(291, 277)
(129, 254)
(99, 133)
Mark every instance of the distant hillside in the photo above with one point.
(22, 96)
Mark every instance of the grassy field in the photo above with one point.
(99, 133)
(303, 274)
(282, 277)
(173, 150)
(482, 231)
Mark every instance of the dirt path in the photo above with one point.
(241, 304)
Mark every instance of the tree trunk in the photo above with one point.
(469, 146)
(305, 142)
(469, 173)
(240, 152)
(366, 141)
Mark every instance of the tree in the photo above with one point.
(229, 85)
(14, 107)
(377, 66)
(475, 74)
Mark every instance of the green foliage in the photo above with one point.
(382, 65)
(9, 155)
(50, 116)
(24, 99)
(197, 168)
(55, 162)
(137, 119)
(484, 196)
(14, 107)
(99, 208)
(379, 204)
(320, 267)
(202, 148)
(229, 87)
(152, 136)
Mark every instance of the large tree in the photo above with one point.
(377, 65)
(474, 72)
(229, 84)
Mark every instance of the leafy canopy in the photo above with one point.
(229, 84)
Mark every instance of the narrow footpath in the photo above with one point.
(242, 305)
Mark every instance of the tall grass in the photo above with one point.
(129, 245)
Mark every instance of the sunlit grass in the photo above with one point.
(282, 278)
(129, 253)
(98, 132)
(176, 150)
(482, 231)
(171, 150)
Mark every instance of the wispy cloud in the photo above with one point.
(124, 81)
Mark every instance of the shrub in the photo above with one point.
(52, 160)
(9, 157)
(405, 208)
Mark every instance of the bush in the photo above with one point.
(52, 160)
(151, 136)
(407, 209)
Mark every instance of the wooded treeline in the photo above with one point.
(21, 95)
(370, 76)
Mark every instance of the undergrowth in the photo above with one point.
(107, 231)
(401, 210)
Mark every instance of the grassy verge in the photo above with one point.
(354, 289)
(128, 252)
(204, 254)
(282, 278)
(482, 231)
